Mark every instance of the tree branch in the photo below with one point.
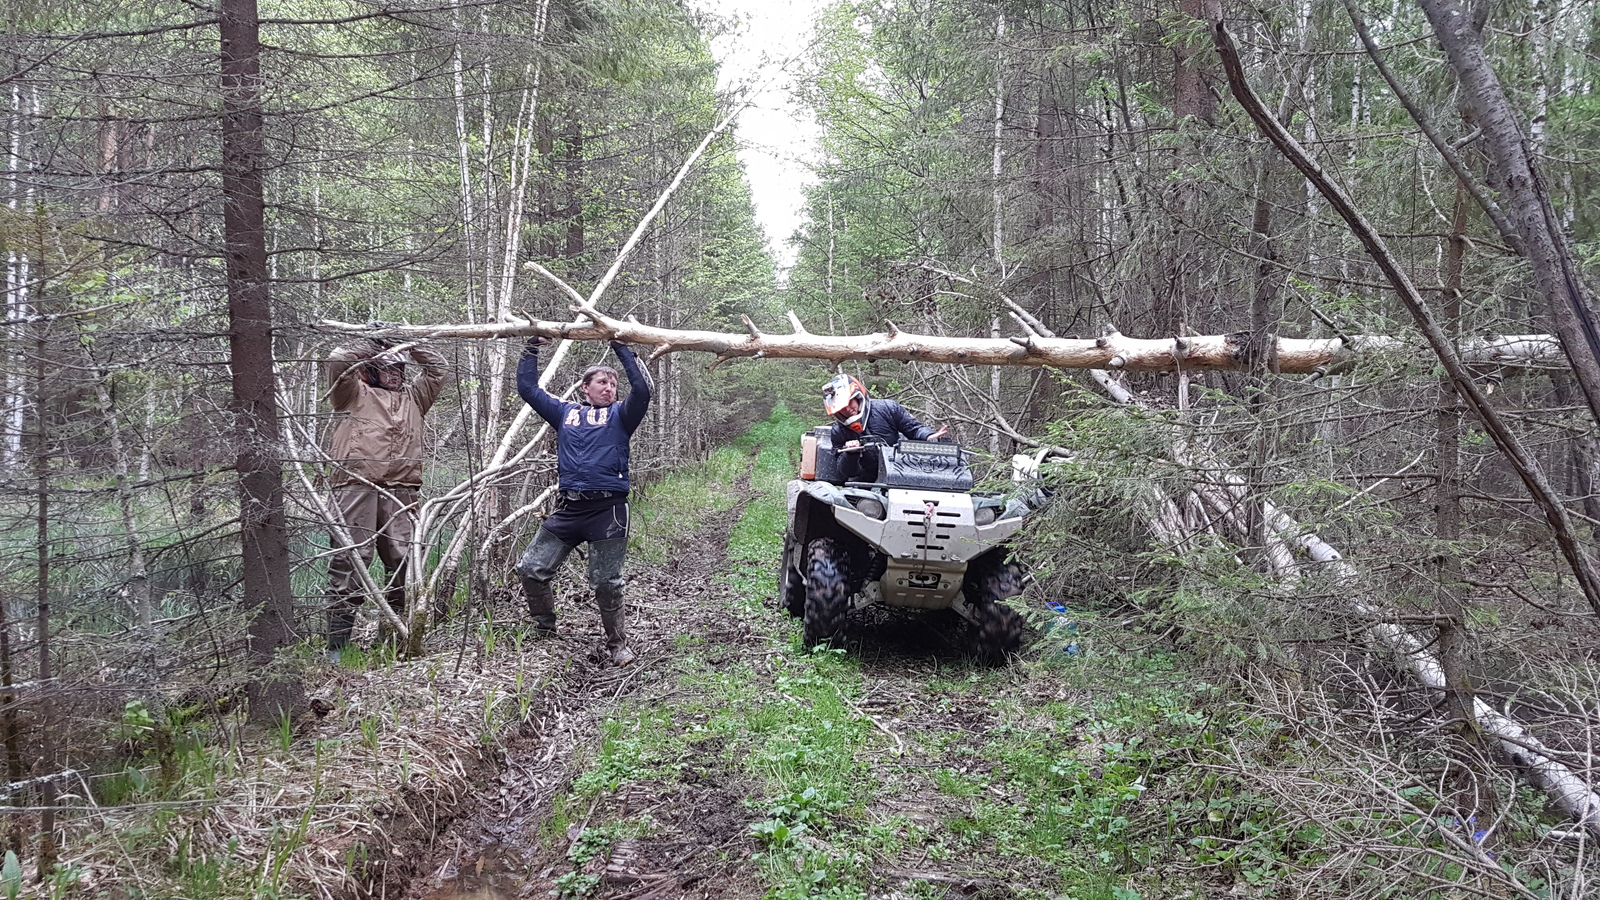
(1466, 387)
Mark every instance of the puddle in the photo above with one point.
(494, 875)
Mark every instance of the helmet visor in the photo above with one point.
(836, 397)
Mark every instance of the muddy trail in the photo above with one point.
(510, 845)
(731, 762)
(513, 841)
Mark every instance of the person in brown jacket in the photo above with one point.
(376, 451)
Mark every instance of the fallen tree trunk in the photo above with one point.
(1495, 354)
(1569, 790)
(1565, 786)
(1462, 380)
(1560, 782)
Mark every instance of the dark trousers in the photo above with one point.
(604, 527)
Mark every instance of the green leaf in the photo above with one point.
(11, 875)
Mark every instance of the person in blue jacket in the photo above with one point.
(856, 415)
(592, 501)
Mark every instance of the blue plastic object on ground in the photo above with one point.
(1063, 628)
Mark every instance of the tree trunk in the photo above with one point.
(264, 546)
(138, 578)
(1190, 97)
(41, 473)
(17, 276)
(1505, 355)
(573, 176)
(1510, 446)
(469, 235)
(997, 169)
(1454, 633)
(13, 404)
(1528, 204)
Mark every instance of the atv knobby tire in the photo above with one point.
(997, 628)
(827, 596)
(791, 587)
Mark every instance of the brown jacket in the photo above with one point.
(377, 434)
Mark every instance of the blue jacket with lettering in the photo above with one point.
(592, 441)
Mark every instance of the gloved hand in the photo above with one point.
(620, 348)
(534, 342)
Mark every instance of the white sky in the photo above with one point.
(777, 138)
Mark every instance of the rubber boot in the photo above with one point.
(616, 634)
(605, 576)
(395, 593)
(536, 568)
(341, 621)
(541, 599)
(395, 596)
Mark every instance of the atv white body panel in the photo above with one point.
(927, 537)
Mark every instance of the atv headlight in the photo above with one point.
(985, 515)
(871, 507)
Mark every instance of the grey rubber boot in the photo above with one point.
(541, 599)
(537, 567)
(605, 576)
(395, 593)
(395, 596)
(341, 620)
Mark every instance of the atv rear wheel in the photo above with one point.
(827, 596)
(998, 628)
(791, 587)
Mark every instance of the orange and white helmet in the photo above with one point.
(837, 395)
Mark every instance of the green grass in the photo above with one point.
(1079, 777)
(665, 510)
(824, 772)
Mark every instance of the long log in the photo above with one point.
(1568, 788)
(1494, 354)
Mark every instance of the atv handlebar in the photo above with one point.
(865, 442)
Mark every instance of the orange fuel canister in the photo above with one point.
(808, 456)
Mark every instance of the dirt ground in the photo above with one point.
(509, 844)
(504, 846)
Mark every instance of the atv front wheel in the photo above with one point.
(998, 628)
(791, 587)
(827, 596)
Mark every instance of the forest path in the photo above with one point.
(512, 844)
(728, 762)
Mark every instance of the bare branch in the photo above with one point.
(1527, 468)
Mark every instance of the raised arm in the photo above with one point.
(427, 388)
(632, 409)
(344, 383)
(547, 406)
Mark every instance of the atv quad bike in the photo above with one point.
(918, 537)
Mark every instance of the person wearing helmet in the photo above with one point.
(592, 452)
(375, 447)
(856, 415)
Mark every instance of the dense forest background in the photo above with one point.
(985, 168)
